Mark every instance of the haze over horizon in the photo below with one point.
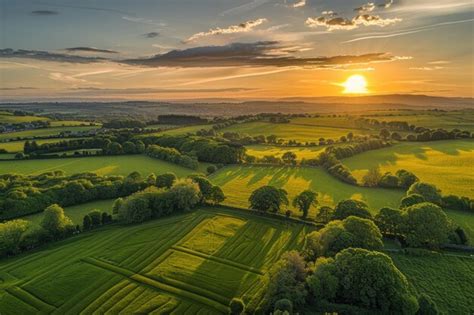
(260, 49)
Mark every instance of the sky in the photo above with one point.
(242, 49)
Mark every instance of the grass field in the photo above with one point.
(447, 164)
(77, 213)
(238, 182)
(464, 220)
(301, 129)
(463, 120)
(188, 264)
(102, 165)
(180, 131)
(69, 123)
(43, 132)
(17, 146)
(260, 151)
(447, 280)
(8, 118)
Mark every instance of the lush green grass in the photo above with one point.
(447, 164)
(463, 120)
(102, 165)
(238, 182)
(260, 151)
(464, 220)
(77, 213)
(8, 118)
(17, 146)
(192, 263)
(180, 131)
(447, 280)
(301, 129)
(69, 123)
(44, 132)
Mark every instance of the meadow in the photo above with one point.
(238, 182)
(446, 279)
(446, 164)
(187, 264)
(9, 118)
(44, 132)
(301, 130)
(180, 131)
(260, 151)
(101, 165)
(17, 146)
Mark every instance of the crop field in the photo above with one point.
(69, 123)
(181, 130)
(463, 120)
(446, 279)
(303, 131)
(17, 146)
(101, 165)
(238, 182)
(260, 151)
(8, 118)
(44, 132)
(446, 164)
(77, 213)
(189, 264)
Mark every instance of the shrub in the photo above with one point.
(236, 306)
(350, 207)
(165, 180)
(411, 200)
(428, 191)
(211, 169)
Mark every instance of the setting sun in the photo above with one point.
(355, 84)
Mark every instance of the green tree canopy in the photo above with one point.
(305, 200)
(268, 198)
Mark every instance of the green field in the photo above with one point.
(44, 132)
(301, 129)
(77, 213)
(260, 151)
(188, 264)
(17, 146)
(101, 165)
(464, 220)
(69, 123)
(238, 182)
(9, 118)
(180, 131)
(463, 120)
(447, 164)
(447, 280)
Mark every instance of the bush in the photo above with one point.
(211, 169)
(284, 305)
(165, 180)
(428, 191)
(427, 306)
(411, 200)
(11, 233)
(56, 222)
(236, 306)
(350, 207)
(268, 198)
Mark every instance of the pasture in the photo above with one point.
(9, 118)
(180, 131)
(44, 132)
(260, 151)
(17, 146)
(446, 164)
(300, 129)
(446, 279)
(238, 182)
(188, 264)
(101, 165)
(76, 213)
(71, 123)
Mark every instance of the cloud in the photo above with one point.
(44, 12)
(47, 56)
(427, 68)
(61, 77)
(143, 21)
(245, 7)
(135, 91)
(331, 23)
(17, 88)
(368, 7)
(262, 54)
(298, 4)
(439, 62)
(240, 28)
(151, 34)
(90, 49)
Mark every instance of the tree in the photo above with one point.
(135, 209)
(284, 305)
(411, 200)
(286, 280)
(364, 279)
(426, 225)
(428, 191)
(350, 207)
(427, 306)
(390, 221)
(338, 235)
(406, 178)
(211, 169)
(55, 221)
(185, 195)
(114, 148)
(384, 133)
(289, 158)
(325, 214)
(216, 195)
(372, 178)
(205, 186)
(96, 217)
(305, 200)
(129, 147)
(11, 233)
(116, 206)
(389, 181)
(165, 180)
(268, 198)
(86, 222)
(236, 306)
(151, 179)
(105, 218)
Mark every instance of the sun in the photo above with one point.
(355, 84)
